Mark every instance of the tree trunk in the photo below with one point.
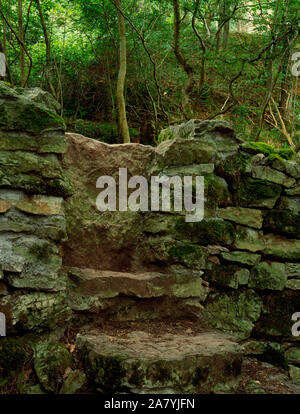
(190, 83)
(21, 36)
(122, 76)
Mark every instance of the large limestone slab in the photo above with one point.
(144, 363)
(90, 290)
(92, 234)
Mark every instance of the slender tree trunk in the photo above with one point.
(21, 36)
(190, 83)
(122, 76)
(48, 48)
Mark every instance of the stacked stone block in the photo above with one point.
(33, 186)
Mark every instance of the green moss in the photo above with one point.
(21, 115)
(210, 231)
(236, 164)
(252, 189)
(179, 252)
(42, 252)
(216, 191)
(13, 354)
(51, 359)
(111, 372)
(286, 153)
(259, 148)
(282, 221)
(270, 151)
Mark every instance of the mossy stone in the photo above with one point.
(26, 116)
(252, 192)
(51, 359)
(280, 221)
(208, 231)
(233, 312)
(266, 276)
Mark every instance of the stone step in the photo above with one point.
(132, 296)
(144, 363)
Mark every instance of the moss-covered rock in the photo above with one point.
(270, 174)
(281, 247)
(47, 142)
(294, 373)
(21, 114)
(216, 192)
(269, 150)
(13, 354)
(286, 222)
(292, 356)
(51, 359)
(35, 311)
(247, 258)
(208, 231)
(289, 203)
(270, 276)
(223, 275)
(234, 312)
(39, 174)
(185, 152)
(73, 382)
(168, 363)
(247, 216)
(249, 239)
(275, 321)
(252, 192)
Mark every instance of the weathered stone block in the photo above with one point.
(278, 246)
(274, 176)
(286, 222)
(268, 276)
(144, 363)
(246, 216)
(250, 259)
(234, 313)
(249, 239)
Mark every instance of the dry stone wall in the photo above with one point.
(64, 262)
(33, 186)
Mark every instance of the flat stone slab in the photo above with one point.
(141, 362)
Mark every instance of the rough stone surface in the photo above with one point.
(143, 363)
(94, 291)
(268, 276)
(246, 216)
(234, 312)
(249, 239)
(250, 259)
(51, 359)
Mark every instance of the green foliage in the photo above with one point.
(83, 67)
